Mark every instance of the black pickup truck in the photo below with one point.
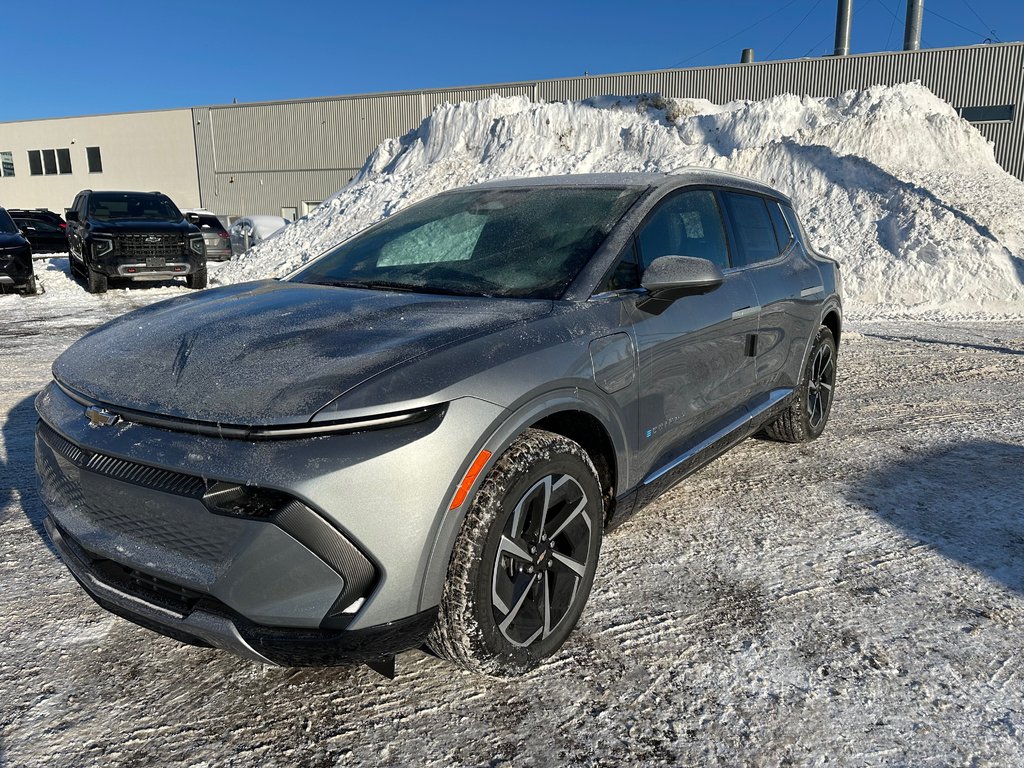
(132, 236)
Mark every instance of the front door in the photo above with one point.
(696, 369)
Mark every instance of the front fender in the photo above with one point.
(501, 434)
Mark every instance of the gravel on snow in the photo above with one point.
(856, 600)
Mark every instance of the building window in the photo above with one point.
(95, 161)
(64, 160)
(49, 162)
(991, 114)
(6, 163)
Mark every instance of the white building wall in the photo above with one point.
(140, 151)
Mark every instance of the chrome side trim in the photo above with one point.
(774, 397)
(813, 290)
(746, 312)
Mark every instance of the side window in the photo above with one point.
(752, 227)
(627, 271)
(782, 231)
(687, 224)
(795, 226)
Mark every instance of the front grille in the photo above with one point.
(129, 471)
(167, 246)
(153, 590)
(208, 539)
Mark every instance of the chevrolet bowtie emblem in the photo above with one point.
(153, 239)
(100, 417)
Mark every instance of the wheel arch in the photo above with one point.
(577, 413)
(834, 322)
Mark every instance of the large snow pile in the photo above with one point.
(889, 181)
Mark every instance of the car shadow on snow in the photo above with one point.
(19, 469)
(965, 500)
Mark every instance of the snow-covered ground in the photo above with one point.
(858, 600)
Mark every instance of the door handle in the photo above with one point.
(814, 289)
(746, 312)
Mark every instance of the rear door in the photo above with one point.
(695, 368)
(786, 282)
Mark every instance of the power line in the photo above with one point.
(986, 26)
(733, 37)
(794, 29)
(954, 23)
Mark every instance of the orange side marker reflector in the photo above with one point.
(469, 479)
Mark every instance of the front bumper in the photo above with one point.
(384, 492)
(206, 622)
(128, 261)
(15, 268)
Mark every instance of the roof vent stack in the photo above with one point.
(912, 35)
(844, 15)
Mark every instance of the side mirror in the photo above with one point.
(671, 277)
(70, 215)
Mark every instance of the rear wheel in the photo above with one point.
(805, 419)
(524, 562)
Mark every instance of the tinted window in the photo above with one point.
(210, 223)
(687, 224)
(795, 226)
(752, 228)
(92, 154)
(35, 162)
(41, 225)
(129, 205)
(49, 161)
(64, 160)
(987, 114)
(627, 271)
(526, 242)
(782, 232)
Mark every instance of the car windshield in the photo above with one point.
(7, 225)
(109, 206)
(528, 242)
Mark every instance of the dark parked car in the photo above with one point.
(15, 258)
(422, 435)
(44, 229)
(215, 234)
(132, 236)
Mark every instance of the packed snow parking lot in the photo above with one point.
(858, 599)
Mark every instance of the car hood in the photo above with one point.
(12, 240)
(270, 352)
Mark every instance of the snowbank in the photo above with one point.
(889, 181)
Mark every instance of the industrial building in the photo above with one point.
(285, 157)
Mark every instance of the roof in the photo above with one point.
(678, 178)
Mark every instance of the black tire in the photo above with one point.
(96, 282)
(805, 419)
(32, 287)
(492, 563)
(197, 279)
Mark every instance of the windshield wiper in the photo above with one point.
(387, 285)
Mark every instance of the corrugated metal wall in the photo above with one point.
(258, 158)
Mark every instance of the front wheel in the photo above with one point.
(197, 279)
(525, 559)
(805, 419)
(96, 281)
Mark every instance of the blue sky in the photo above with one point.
(88, 58)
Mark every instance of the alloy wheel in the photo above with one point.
(820, 384)
(542, 559)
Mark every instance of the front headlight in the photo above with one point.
(195, 242)
(101, 246)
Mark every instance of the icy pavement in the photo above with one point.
(858, 600)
